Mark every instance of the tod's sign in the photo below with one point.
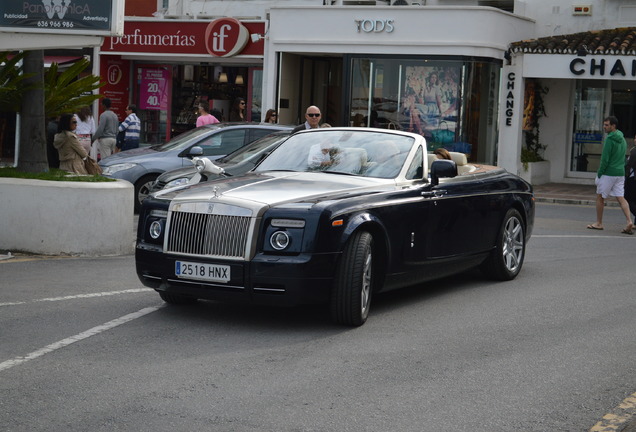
(374, 26)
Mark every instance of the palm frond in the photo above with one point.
(12, 81)
(64, 92)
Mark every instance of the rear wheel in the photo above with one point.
(176, 298)
(142, 189)
(505, 261)
(351, 295)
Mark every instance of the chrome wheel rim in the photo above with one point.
(365, 296)
(144, 191)
(513, 244)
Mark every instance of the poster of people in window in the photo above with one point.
(430, 102)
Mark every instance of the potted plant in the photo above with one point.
(535, 168)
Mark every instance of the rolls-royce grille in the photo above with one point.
(208, 234)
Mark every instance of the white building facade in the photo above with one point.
(375, 63)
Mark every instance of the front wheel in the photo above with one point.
(506, 259)
(142, 189)
(351, 295)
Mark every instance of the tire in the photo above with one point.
(176, 299)
(506, 259)
(142, 189)
(353, 286)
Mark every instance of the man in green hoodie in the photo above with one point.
(610, 177)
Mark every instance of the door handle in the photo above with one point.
(434, 194)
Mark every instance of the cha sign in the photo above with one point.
(81, 17)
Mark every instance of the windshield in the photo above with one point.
(253, 149)
(369, 154)
(183, 140)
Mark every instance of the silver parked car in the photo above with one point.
(142, 166)
(236, 163)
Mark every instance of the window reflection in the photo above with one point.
(452, 103)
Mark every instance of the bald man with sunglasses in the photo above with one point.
(312, 117)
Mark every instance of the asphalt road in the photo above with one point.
(84, 346)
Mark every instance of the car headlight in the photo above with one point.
(155, 230)
(284, 236)
(177, 182)
(112, 169)
(280, 240)
(156, 226)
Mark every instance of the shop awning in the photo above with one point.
(63, 62)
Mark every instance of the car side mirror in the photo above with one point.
(442, 168)
(195, 151)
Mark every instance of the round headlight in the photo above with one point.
(199, 164)
(177, 182)
(155, 230)
(279, 240)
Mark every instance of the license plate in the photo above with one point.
(200, 271)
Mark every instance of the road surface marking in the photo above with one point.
(78, 296)
(615, 420)
(78, 337)
(581, 236)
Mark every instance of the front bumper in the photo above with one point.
(267, 279)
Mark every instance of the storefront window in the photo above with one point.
(153, 102)
(450, 102)
(256, 91)
(590, 102)
(217, 86)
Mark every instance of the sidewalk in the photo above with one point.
(565, 193)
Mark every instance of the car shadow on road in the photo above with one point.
(207, 312)
(308, 318)
(389, 302)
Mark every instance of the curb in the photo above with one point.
(574, 201)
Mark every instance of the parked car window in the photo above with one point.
(258, 133)
(254, 148)
(224, 142)
(181, 141)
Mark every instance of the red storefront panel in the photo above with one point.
(175, 37)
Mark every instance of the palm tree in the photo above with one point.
(37, 96)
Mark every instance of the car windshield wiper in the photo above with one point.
(339, 172)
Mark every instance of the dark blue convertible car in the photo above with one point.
(334, 216)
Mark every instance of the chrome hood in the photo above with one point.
(273, 188)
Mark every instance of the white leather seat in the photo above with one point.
(460, 160)
(352, 160)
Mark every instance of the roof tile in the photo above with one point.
(619, 41)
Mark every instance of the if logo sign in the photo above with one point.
(218, 38)
(226, 37)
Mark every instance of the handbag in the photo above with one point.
(91, 166)
(443, 135)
